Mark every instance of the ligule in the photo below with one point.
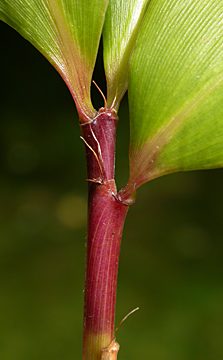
(111, 352)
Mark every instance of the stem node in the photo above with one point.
(111, 351)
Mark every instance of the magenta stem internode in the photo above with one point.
(106, 217)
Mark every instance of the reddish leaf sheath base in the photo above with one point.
(106, 219)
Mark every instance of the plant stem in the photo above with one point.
(106, 217)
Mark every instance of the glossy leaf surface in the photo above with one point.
(122, 23)
(67, 32)
(176, 89)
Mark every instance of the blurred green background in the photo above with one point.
(172, 252)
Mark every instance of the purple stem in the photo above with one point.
(106, 219)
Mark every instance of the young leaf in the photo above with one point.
(176, 89)
(67, 32)
(122, 22)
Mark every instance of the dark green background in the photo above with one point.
(172, 253)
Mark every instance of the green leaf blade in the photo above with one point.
(122, 23)
(67, 33)
(176, 90)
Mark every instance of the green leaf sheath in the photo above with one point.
(122, 22)
(176, 89)
(67, 33)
